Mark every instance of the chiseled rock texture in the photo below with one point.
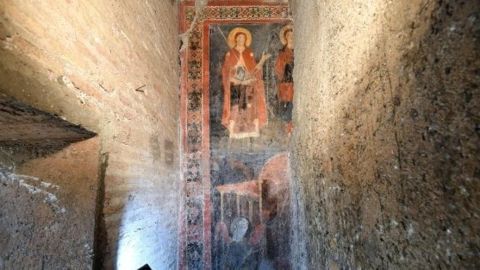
(386, 142)
(47, 213)
(111, 67)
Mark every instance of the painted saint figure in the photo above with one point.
(244, 105)
(284, 73)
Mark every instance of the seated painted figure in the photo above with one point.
(240, 253)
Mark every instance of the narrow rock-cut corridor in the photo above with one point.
(239, 134)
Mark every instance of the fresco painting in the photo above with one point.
(251, 95)
(236, 99)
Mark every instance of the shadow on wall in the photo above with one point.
(386, 140)
(27, 133)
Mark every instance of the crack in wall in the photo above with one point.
(185, 36)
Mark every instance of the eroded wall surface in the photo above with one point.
(386, 143)
(47, 218)
(112, 68)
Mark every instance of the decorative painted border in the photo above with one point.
(195, 214)
(238, 13)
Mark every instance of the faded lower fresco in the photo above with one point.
(250, 100)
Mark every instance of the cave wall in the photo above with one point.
(386, 140)
(110, 67)
(47, 218)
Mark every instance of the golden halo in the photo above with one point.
(231, 36)
(283, 39)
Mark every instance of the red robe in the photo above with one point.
(228, 69)
(285, 89)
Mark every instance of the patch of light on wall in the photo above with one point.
(144, 235)
(135, 241)
(127, 257)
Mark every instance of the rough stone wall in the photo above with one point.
(47, 217)
(111, 67)
(386, 140)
